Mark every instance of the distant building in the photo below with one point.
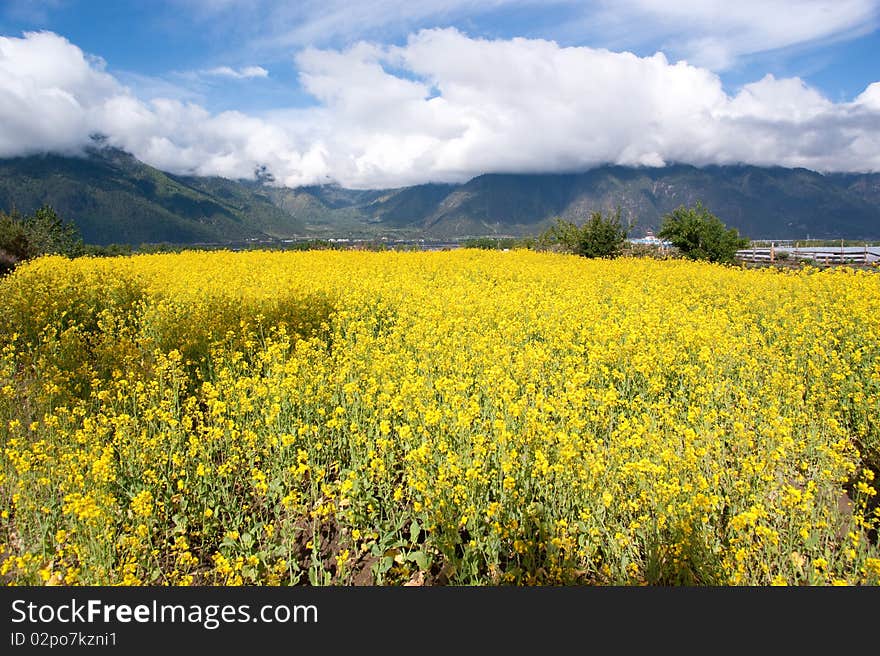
(650, 240)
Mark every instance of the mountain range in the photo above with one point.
(114, 198)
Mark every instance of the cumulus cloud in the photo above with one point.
(870, 98)
(53, 98)
(49, 93)
(237, 73)
(442, 107)
(465, 106)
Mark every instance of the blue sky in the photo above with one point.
(317, 75)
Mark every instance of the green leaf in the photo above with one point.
(420, 558)
(414, 530)
(384, 565)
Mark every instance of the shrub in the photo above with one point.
(600, 236)
(700, 235)
(41, 233)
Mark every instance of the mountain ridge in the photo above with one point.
(114, 198)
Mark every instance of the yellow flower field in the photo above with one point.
(462, 417)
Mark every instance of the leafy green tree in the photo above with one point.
(599, 236)
(49, 235)
(41, 233)
(700, 235)
(602, 236)
(562, 233)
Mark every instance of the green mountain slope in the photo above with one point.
(254, 203)
(113, 197)
(760, 202)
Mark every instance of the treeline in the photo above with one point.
(498, 243)
(23, 237)
(693, 232)
(26, 236)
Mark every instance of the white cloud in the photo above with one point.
(52, 98)
(870, 97)
(530, 105)
(239, 73)
(48, 92)
(787, 100)
(442, 107)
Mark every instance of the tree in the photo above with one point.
(41, 233)
(700, 235)
(562, 233)
(600, 236)
(49, 235)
